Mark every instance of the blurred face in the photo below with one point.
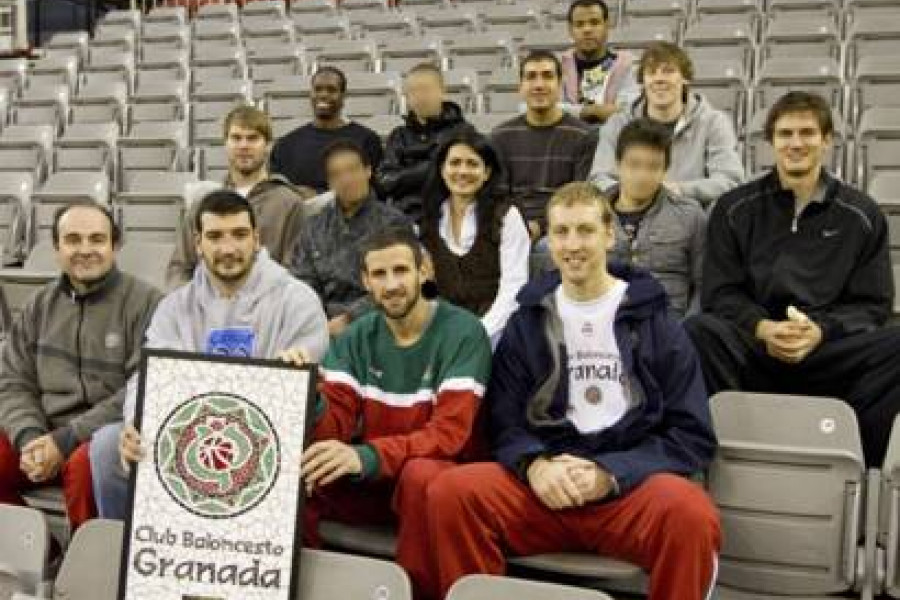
(85, 251)
(327, 98)
(642, 171)
(800, 147)
(393, 280)
(424, 94)
(464, 171)
(664, 84)
(247, 150)
(589, 30)
(540, 85)
(348, 178)
(578, 241)
(228, 245)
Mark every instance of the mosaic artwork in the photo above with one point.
(216, 510)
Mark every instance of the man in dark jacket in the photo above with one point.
(598, 412)
(410, 147)
(797, 282)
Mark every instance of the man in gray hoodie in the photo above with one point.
(239, 303)
(66, 361)
(705, 159)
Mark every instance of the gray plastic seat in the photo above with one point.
(520, 20)
(383, 124)
(42, 104)
(263, 9)
(783, 74)
(484, 123)
(287, 98)
(636, 38)
(878, 142)
(152, 146)
(218, 62)
(274, 61)
(718, 41)
(15, 208)
(18, 286)
(449, 22)
(263, 31)
(154, 206)
(462, 86)
(161, 64)
(163, 36)
(212, 101)
(384, 26)
(884, 187)
(725, 84)
(24, 545)
(100, 103)
(176, 15)
(87, 147)
(213, 162)
(313, 7)
(118, 40)
(540, 40)
(348, 55)
(159, 100)
(814, 36)
(876, 84)
(90, 569)
(222, 14)
(402, 54)
(27, 148)
(14, 74)
(111, 66)
(483, 52)
(315, 30)
(64, 188)
(489, 587)
(789, 481)
(873, 34)
(501, 92)
(370, 94)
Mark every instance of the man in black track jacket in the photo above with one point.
(797, 282)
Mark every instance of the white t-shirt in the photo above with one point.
(597, 396)
(243, 191)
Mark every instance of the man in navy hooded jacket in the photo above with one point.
(598, 414)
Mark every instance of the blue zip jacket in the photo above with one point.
(668, 430)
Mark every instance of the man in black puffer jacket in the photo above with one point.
(410, 147)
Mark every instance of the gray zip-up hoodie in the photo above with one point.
(271, 313)
(669, 243)
(67, 359)
(705, 160)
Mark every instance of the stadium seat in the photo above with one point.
(520, 20)
(724, 83)
(274, 61)
(110, 65)
(64, 188)
(449, 22)
(14, 74)
(27, 149)
(483, 52)
(324, 576)
(889, 525)
(263, 9)
(24, 546)
(544, 40)
(217, 62)
(177, 15)
(348, 55)
(876, 83)
(216, 33)
(19, 285)
(75, 41)
(54, 70)
(789, 481)
(402, 54)
(313, 7)
(673, 12)
(163, 36)
(348, 6)
(211, 101)
(42, 258)
(147, 261)
(491, 587)
(152, 146)
(287, 98)
(258, 33)
(371, 94)
(782, 74)
(315, 30)
(156, 100)
(90, 569)
(120, 40)
(717, 41)
(461, 86)
(101, 102)
(163, 63)
(801, 8)
(484, 123)
(41, 105)
(878, 143)
(15, 208)
(873, 34)
(153, 213)
(636, 38)
(384, 27)
(87, 147)
(884, 187)
(212, 162)
(225, 14)
(415, 5)
(501, 92)
(127, 18)
(813, 36)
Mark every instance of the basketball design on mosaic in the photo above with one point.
(217, 455)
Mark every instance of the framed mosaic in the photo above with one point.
(217, 499)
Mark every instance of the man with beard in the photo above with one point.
(400, 392)
(278, 206)
(797, 282)
(239, 303)
(297, 155)
(67, 359)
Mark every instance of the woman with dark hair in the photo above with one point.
(478, 244)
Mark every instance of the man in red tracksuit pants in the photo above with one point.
(399, 397)
(598, 411)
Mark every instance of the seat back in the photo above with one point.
(788, 481)
(90, 570)
(19, 285)
(324, 576)
(24, 544)
(490, 587)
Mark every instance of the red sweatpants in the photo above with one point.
(74, 476)
(401, 501)
(668, 526)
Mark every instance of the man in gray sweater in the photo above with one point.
(66, 361)
(705, 160)
(239, 303)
